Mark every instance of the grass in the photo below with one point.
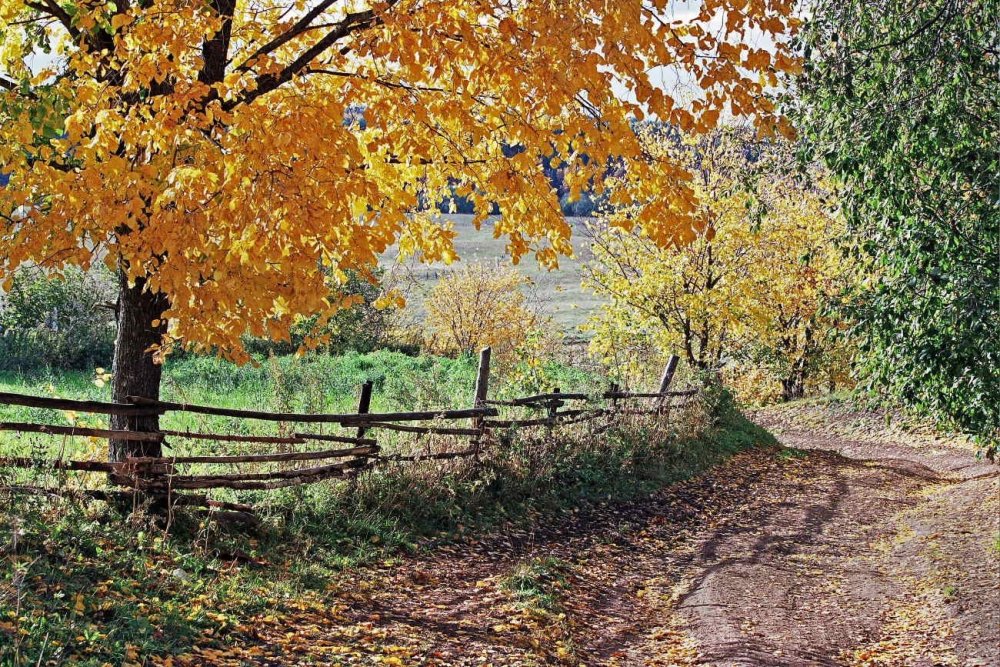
(312, 384)
(792, 453)
(93, 583)
(537, 582)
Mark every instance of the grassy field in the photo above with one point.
(559, 291)
(311, 384)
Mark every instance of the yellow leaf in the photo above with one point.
(118, 21)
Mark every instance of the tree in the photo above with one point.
(747, 290)
(900, 100)
(217, 154)
(362, 324)
(796, 269)
(62, 322)
(480, 306)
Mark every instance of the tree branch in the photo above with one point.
(268, 82)
(53, 9)
(14, 87)
(215, 50)
(377, 80)
(301, 26)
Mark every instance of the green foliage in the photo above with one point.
(901, 102)
(58, 322)
(729, 431)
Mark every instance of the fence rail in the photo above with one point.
(160, 475)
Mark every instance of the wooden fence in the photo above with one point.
(344, 454)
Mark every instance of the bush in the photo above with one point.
(480, 306)
(60, 322)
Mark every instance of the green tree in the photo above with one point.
(900, 100)
(64, 320)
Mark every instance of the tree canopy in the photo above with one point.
(748, 292)
(210, 151)
(900, 99)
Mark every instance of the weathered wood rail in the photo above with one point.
(161, 475)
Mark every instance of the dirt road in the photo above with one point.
(854, 545)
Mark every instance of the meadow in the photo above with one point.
(314, 383)
(558, 293)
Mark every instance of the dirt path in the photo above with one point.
(853, 548)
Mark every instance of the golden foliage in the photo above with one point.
(745, 293)
(223, 152)
(480, 306)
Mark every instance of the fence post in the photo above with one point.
(364, 404)
(554, 405)
(614, 389)
(479, 397)
(668, 376)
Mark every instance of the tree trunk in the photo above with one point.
(791, 389)
(135, 373)
(794, 386)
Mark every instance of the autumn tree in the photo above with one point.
(217, 154)
(747, 289)
(797, 268)
(480, 306)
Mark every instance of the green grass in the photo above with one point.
(312, 384)
(537, 583)
(792, 453)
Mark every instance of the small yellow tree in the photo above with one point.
(796, 265)
(479, 306)
(745, 292)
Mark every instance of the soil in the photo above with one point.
(855, 543)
